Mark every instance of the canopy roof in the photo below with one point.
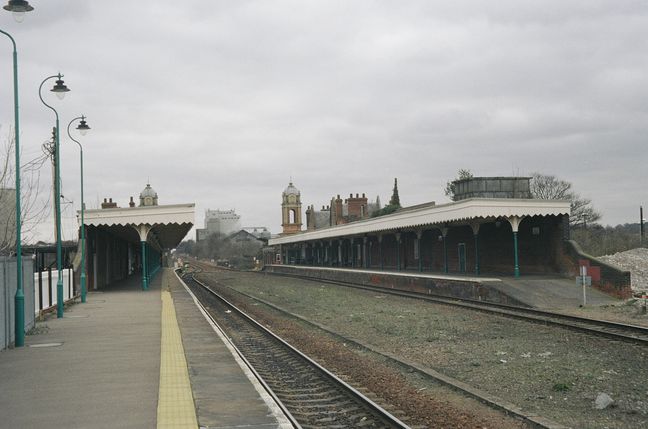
(474, 210)
(170, 223)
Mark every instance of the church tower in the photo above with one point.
(291, 210)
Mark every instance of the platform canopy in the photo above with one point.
(163, 226)
(469, 211)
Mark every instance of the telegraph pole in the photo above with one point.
(641, 227)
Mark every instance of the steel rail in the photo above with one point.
(602, 328)
(365, 401)
(533, 419)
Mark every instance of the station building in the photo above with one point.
(493, 226)
(492, 232)
(133, 240)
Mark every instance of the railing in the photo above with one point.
(45, 288)
(7, 297)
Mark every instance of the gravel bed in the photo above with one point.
(635, 261)
(418, 401)
(553, 372)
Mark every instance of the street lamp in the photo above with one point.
(19, 302)
(59, 89)
(18, 9)
(83, 130)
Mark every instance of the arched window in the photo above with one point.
(291, 216)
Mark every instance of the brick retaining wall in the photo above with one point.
(613, 280)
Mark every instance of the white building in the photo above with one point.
(223, 222)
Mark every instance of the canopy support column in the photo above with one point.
(419, 249)
(475, 228)
(444, 233)
(380, 253)
(398, 251)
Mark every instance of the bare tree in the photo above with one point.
(549, 187)
(32, 209)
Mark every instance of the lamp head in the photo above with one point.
(18, 9)
(60, 88)
(83, 126)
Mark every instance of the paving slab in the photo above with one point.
(103, 374)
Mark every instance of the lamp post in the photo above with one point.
(18, 8)
(59, 89)
(83, 130)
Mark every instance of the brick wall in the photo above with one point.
(612, 280)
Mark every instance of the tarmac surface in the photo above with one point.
(548, 292)
(99, 366)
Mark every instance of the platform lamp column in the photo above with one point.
(515, 224)
(475, 228)
(143, 231)
(83, 130)
(60, 90)
(18, 8)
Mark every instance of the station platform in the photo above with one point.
(543, 292)
(130, 359)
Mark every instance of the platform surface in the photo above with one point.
(99, 366)
(549, 292)
(546, 291)
(104, 375)
(224, 396)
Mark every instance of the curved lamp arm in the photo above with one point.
(40, 95)
(70, 135)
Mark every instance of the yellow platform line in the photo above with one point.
(175, 402)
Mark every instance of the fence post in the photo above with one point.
(49, 285)
(40, 289)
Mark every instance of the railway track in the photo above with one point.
(602, 328)
(311, 396)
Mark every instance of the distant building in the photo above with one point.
(291, 210)
(340, 211)
(223, 222)
(260, 232)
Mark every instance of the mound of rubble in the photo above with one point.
(635, 261)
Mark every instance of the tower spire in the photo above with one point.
(395, 199)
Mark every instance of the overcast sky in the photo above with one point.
(221, 103)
